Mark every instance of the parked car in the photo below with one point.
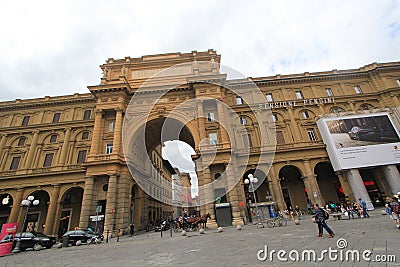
(82, 235)
(363, 134)
(32, 239)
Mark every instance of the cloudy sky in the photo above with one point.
(55, 47)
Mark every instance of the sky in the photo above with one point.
(51, 48)
(55, 47)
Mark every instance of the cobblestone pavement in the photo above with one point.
(231, 247)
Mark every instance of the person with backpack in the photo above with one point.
(363, 207)
(394, 206)
(320, 218)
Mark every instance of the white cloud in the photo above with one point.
(54, 48)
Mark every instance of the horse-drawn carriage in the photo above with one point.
(191, 223)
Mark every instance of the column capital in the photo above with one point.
(98, 111)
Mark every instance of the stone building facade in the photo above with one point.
(68, 151)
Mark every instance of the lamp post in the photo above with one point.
(251, 181)
(28, 203)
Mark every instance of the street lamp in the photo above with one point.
(251, 181)
(28, 203)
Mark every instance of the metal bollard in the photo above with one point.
(161, 231)
(108, 231)
(119, 230)
(170, 228)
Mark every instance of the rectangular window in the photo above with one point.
(15, 163)
(270, 98)
(53, 138)
(239, 100)
(25, 120)
(109, 148)
(210, 117)
(85, 135)
(21, 141)
(328, 91)
(299, 95)
(305, 114)
(280, 139)
(111, 126)
(56, 117)
(274, 117)
(243, 120)
(312, 135)
(358, 90)
(82, 156)
(48, 160)
(213, 138)
(87, 114)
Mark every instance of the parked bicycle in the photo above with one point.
(279, 220)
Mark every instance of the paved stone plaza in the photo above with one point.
(229, 248)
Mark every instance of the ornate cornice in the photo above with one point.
(46, 102)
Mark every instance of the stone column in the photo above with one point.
(52, 211)
(117, 132)
(200, 119)
(312, 184)
(209, 208)
(276, 187)
(98, 122)
(64, 149)
(295, 126)
(16, 208)
(392, 176)
(345, 185)
(395, 100)
(87, 202)
(32, 150)
(233, 194)
(122, 218)
(357, 186)
(2, 143)
(111, 212)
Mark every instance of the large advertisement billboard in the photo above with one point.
(360, 140)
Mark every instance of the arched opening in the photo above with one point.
(156, 170)
(36, 217)
(6, 202)
(293, 188)
(329, 184)
(71, 203)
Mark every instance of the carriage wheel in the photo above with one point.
(270, 224)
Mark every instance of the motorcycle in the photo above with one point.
(162, 227)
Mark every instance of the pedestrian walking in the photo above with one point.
(320, 219)
(131, 229)
(363, 206)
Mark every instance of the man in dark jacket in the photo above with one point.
(320, 220)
